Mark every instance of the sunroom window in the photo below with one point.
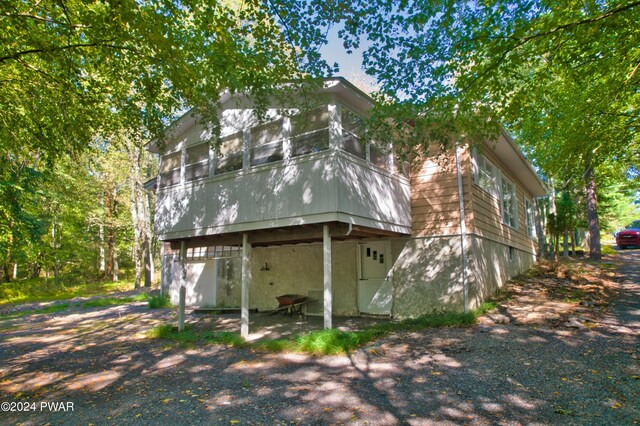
(352, 133)
(266, 143)
(509, 203)
(197, 162)
(230, 153)
(170, 169)
(486, 174)
(380, 155)
(310, 131)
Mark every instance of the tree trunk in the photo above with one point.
(573, 242)
(112, 246)
(565, 244)
(592, 212)
(102, 266)
(35, 270)
(139, 214)
(114, 252)
(542, 239)
(6, 275)
(56, 266)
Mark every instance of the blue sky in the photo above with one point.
(350, 64)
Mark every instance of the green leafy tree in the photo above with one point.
(73, 69)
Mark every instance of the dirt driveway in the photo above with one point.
(99, 360)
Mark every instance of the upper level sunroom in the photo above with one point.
(295, 166)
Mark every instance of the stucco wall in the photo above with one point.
(298, 269)
(292, 269)
(427, 273)
(491, 267)
(426, 276)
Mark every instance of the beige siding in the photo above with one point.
(487, 218)
(435, 203)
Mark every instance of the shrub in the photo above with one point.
(159, 301)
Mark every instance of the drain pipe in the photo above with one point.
(463, 232)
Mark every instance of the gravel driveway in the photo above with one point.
(99, 360)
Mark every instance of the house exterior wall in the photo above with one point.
(491, 265)
(487, 219)
(427, 269)
(298, 269)
(427, 275)
(333, 185)
(435, 202)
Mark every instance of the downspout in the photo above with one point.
(463, 232)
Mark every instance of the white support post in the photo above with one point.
(286, 133)
(183, 258)
(244, 310)
(163, 286)
(183, 164)
(328, 297)
(215, 281)
(246, 149)
(335, 126)
(183, 289)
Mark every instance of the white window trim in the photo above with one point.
(530, 214)
(503, 178)
(493, 190)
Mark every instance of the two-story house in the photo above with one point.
(297, 203)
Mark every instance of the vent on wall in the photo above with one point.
(315, 307)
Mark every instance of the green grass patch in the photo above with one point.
(329, 342)
(40, 290)
(608, 251)
(189, 335)
(111, 301)
(324, 342)
(46, 310)
(160, 301)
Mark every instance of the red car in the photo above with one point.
(630, 236)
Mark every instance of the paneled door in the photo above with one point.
(375, 289)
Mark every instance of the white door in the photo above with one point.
(375, 290)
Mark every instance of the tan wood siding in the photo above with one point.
(435, 204)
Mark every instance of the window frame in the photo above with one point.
(482, 165)
(195, 165)
(503, 200)
(530, 218)
(170, 172)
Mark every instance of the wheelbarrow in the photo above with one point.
(291, 303)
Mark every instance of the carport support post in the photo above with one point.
(328, 302)
(183, 290)
(244, 311)
(181, 308)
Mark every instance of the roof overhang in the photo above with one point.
(510, 154)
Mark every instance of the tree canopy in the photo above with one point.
(72, 69)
